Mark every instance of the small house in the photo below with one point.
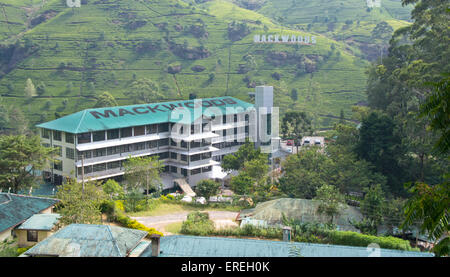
(36, 228)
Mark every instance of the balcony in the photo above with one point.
(121, 141)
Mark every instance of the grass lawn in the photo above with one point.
(170, 208)
(174, 228)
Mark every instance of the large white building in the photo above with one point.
(191, 137)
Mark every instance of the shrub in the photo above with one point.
(357, 239)
(197, 224)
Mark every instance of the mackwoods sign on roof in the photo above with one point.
(306, 40)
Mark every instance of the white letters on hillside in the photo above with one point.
(307, 40)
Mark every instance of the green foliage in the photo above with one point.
(20, 157)
(356, 239)
(80, 203)
(197, 224)
(430, 204)
(331, 201)
(143, 173)
(143, 91)
(372, 206)
(113, 189)
(207, 188)
(105, 100)
(295, 125)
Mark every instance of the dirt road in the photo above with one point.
(221, 219)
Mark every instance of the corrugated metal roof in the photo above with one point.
(86, 240)
(43, 222)
(143, 114)
(191, 246)
(15, 208)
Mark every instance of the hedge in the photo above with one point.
(356, 239)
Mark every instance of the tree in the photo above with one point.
(429, 205)
(143, 173)
(41, 88)
(207, 188)
(30, 90)
(105, 100)
(80, 203)
(298, 123)
(372, 206)
(242, 183)
(246, 152)
(436, 109)
(112, 188)
(143, 91)
(20, 157)
(331, 201)
(294, 95)
(380, 145)
(304, 173)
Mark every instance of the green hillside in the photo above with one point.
(116, 46)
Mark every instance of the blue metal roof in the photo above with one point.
(86, 240)
(43, 222)
(15, 208)
(185, 112)
(192, 246)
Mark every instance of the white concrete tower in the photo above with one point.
(267, 120)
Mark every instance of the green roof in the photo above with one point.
(43, 222)
(85, 240)
(137, 115)
(192, 246)
(15, 208)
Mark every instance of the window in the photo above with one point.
(195, 158)
(59, 150)
(173, 169)
(184, 172)
(87, 170)
(163, 142)
(70, 153)
(98, 136)
(84, 138)
(99, 152)
(57, 165)
(57, 135)
(173, 142)
(45, 133)
(126, 132)
(184, 144)
(195, 144)
(152, 129)
(113, 134)
(224, 119)
(152, 144)
(184, 157)
(164, 127)
(206, 156)
(207, 169)
(139, 130)
(113, 150)
(173, 155)
(86, 154)
(113, 165)
(196, 171)
(139, 146)
(166, 168)
(235, 131)
(235, 118)
(70, 138)
(163, 155)
(98, 167)
(126, 148)
(32, 235)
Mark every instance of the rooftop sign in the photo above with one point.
(305, 40)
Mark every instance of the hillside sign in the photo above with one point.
(305, 40)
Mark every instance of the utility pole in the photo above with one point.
(82, 174)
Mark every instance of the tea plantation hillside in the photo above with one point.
(147, 51)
